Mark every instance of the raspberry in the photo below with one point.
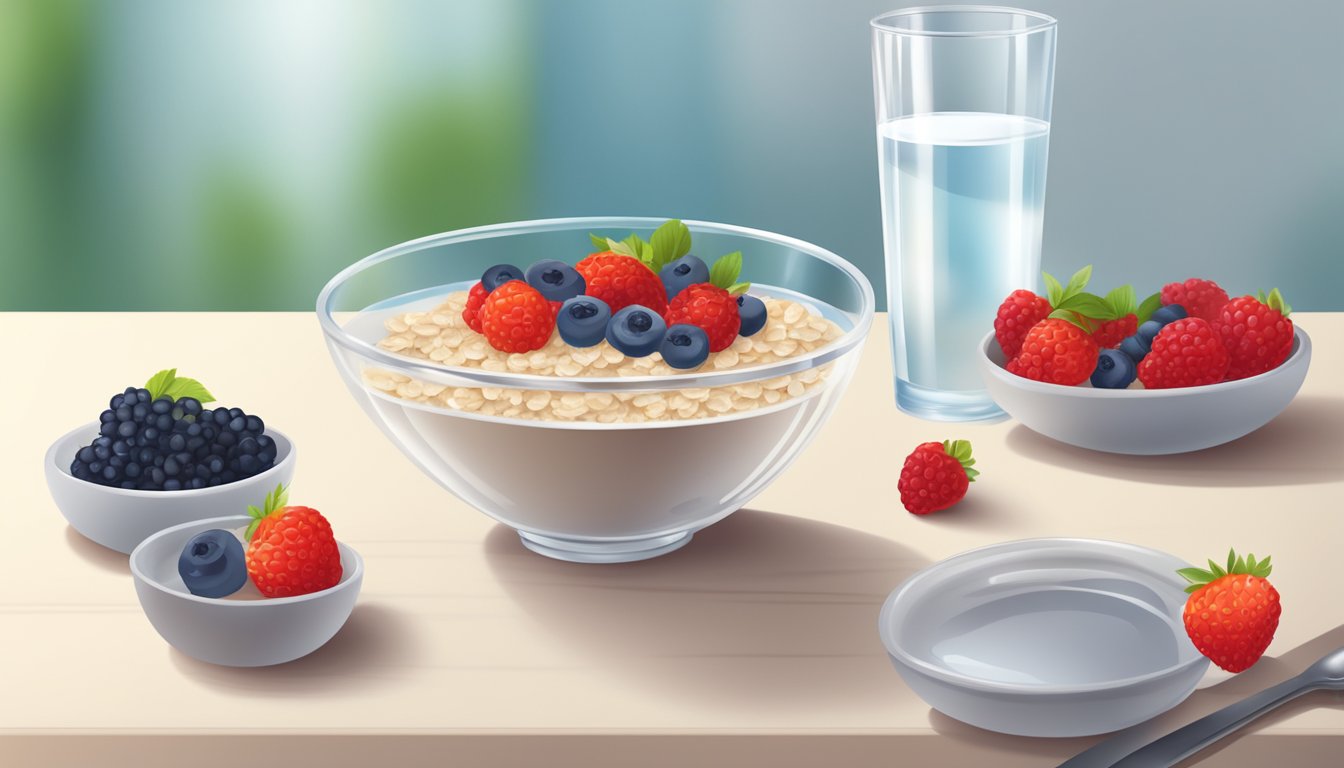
(475, 300)
(1017, 314)
(1185, 353)
(710, 308)
(935, 476)
(621, 281)
(1110, 333)
(1057, 352)
(517, 318)
(1201, 298)
(1257, 334)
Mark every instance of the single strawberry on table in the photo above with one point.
(1232, 612)
(712, 306)
(1056, 351)
(1186, 353)
(291, 550)
(936, 475)
(1256, 332)
(1201, 298)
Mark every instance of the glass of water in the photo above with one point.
(963, 124)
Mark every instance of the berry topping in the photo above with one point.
(1056, 351)
(555, 280)
(1256, 332)
(712, 309)
(1017, 314)
(685, 271)
(212, 564)
(1135, 347)
(1185, 353)
(1115, 370)
(935, 476)
(291, 550)
(751, 311)
(636, 331)
(621, 281)
(1169, 313)
(582, 321)
(685, 346)
(1233, 612)
(1149, 330)
(475, 300)
(500, 274)
(517, 318)
(1199, 298)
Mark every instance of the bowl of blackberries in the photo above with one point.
(160, 455)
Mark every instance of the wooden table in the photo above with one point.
(756, 644)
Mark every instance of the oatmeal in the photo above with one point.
(442, 336)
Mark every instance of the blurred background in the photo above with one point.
(156, 154)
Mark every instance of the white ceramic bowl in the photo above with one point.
(120, 519)
(1045, 637)
(1146, 422)
(244, 630)
(582, 490)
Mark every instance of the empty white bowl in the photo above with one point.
(1045, 637)
(120, 519)
(243, 630)
(1146, 421)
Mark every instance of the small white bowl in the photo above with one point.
(1146, 421)
(244, 630)
(1045, 637)
(119, 519)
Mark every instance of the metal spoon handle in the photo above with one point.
(1186, 741)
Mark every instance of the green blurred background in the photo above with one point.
(158, 154)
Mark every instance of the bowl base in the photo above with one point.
(936, 405)
(576, 551)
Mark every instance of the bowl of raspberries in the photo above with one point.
(1187, 368)
(605, 386)
(161, 455)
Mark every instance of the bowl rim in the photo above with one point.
(1301, 351)
(348, 576)
(846, 343)
(947, 675)
(186, 493)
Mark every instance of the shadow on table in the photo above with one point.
(1267, 672)
(97, 555)
(1298, 447)
(377, 646)
(761, 610)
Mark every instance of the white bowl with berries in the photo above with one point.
(590, 382)
(159, 456)
(1186, 369)
(225, 590)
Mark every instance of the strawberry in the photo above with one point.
(1017, 314)
(291, 550)
(622, 280)
(712, 309)
(475, 300)
(1256, 332)
(1201, 298)
(1232, 612)
(1056, 351)
(517, 318)
(1185, 353)
(935, 476)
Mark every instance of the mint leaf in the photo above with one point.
(669, 242)
(1122, 300)
(158, 383)
(1079, 281)
(1054, 292)
(599, 242)
(726, 269)
(737, 289)
(621, 248)
(1148, 307)
(184, 387)
(1089, 305)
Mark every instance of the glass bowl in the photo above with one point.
(610, 465)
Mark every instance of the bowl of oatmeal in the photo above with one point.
(590, 453)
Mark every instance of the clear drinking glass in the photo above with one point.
(963, 126)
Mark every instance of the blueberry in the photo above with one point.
(126, 429)
(108, 429)
(752, 312)
(685, 346)
(171, 467)
(556, 280)
(688, 270)
(163, 405)
(582, 321)
(142, 396)
(129, 397)
(1115, 370)
(255, 425)
(131, 470)
(109, 473)
(248, 445)
(636, 331)
(221, 416)
(116, 401)
(235, 413)
(177, 443)
(500, 274)
(212, 564)
(140, 411)
(172, 484)
(1135, 347)
(123, 413)
(86, 454)
(102, 452)
(107, 416)
(238, 424)
(1148, 330)
(190, 405)
(1169, 313)
(247, 464)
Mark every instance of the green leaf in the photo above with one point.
(1148, 307)
(622, 248)
(1195, 575)
(1089, 305)
(1054, 292)
(159, 382)
(1216, 570)
(600, 243)
(1122, 300)
(737, 289)
(1231, 560)
(1275, 301)
(1079, 281)
(669, 242)
(1072, 317)
(184, 387)
(726, 269)
(961, 451)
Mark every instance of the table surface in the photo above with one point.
(757, 642)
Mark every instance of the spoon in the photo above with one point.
(1327, 674)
